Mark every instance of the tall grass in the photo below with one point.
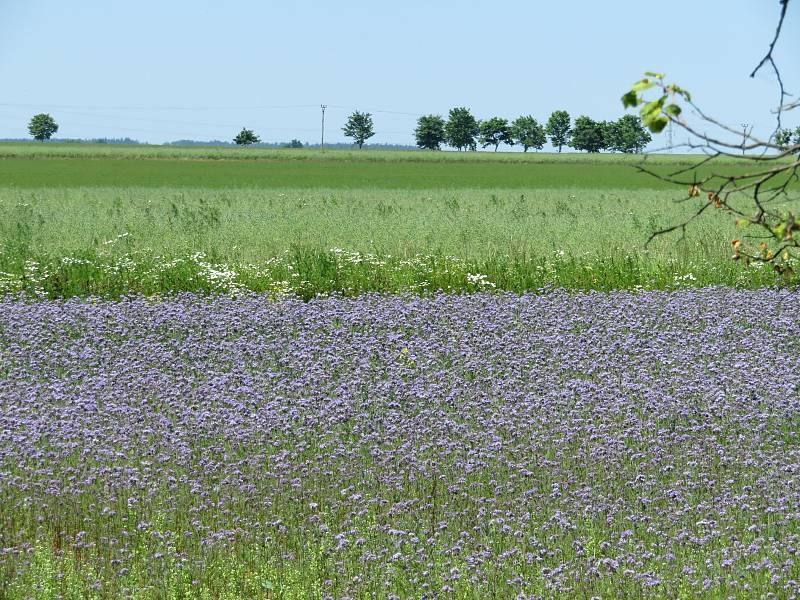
(254, 225)
(112, 242)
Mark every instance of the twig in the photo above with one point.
(768, 59)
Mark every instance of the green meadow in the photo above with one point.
(104, 220)
(98, 165)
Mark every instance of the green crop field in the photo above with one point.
(277, 174)
(120, 151)
(56, 165)
(92, 219)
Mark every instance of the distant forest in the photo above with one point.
(129, 141)
(339, 145)
(77, 141)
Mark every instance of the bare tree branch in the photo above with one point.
(769, 59)
(774, 175)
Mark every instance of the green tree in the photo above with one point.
(558, 129)
(359, 127)
(609, 129)
(783, 137)
(527, 132)
(42, 127)
(246, 137)
(461, 129)
(627, 134)
(588, 135)
(495, 131)
(430, 132)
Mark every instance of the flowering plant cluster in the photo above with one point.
(309, 272)
(486, 445)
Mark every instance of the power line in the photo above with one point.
(90, 107)
(79, 110)
(145, 119)
(192, 108)
(387, 112)
(179, 122)
(189, 134)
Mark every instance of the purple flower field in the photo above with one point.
(478, 446)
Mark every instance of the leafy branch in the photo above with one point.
(773, 232)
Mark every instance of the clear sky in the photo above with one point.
(160, 70)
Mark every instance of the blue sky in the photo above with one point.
(159, 71)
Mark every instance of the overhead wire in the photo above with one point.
(190, 108)
(78, 110)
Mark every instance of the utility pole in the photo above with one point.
(744, 135)
(669, 135)
(322, 141)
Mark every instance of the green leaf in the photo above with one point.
(657, 124)
(652, 74)
(644, 84)
(630, 99)
(653, 107)
(673, 110)
(676, 89)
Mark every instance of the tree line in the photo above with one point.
(463, 131)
